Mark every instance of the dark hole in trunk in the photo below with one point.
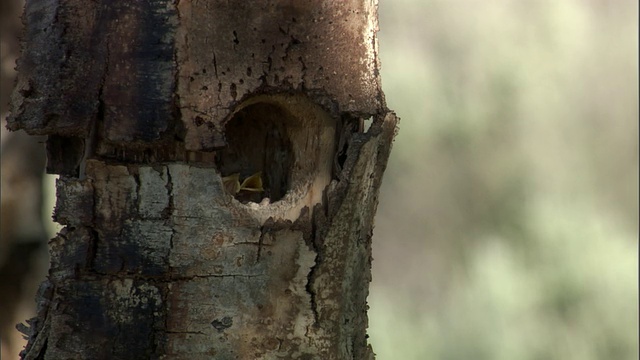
(258, 151)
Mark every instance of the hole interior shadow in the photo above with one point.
(258, 143)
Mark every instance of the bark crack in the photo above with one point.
(215, 64)
(312, 293)
(304, 69)
(136, 177)
(92, 249)
(233, 276)
(168, 210)
(185, 332)
(260, 243)
(315, 247)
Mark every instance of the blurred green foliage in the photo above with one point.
(507, 225)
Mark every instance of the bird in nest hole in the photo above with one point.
(250, 189)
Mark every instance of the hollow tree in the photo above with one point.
(217, 185)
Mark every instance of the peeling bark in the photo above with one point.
(158, 258)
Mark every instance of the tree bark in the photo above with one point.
(217, 186)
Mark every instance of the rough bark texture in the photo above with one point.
(150, 109)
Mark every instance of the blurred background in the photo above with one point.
(508, 218)
(26, 202)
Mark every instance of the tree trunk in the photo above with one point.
(217, 185)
